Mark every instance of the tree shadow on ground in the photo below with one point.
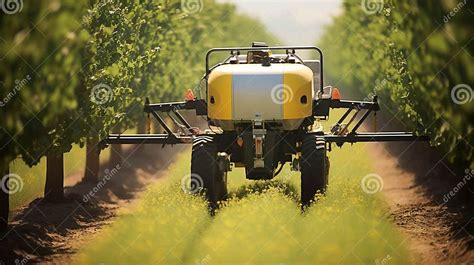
(41, 230)
(439, 180)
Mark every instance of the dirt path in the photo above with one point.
(48, 233)
(438, 232)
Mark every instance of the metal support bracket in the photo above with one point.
(168, 137)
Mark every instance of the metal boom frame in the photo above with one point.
(339, 134)
(186, 135)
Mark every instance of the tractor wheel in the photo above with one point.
(314, 167)
(206, 175)
(221, 184)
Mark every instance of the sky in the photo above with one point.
(294, 22)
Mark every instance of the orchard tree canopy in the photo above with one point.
(417, 55)
(71, 70)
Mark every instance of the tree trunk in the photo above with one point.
(54, 188)
(91, 172)
(4, 198)
(115, 151)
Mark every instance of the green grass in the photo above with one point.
(33, 178)
(167, 226)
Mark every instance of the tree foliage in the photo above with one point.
(414, 54)
(39, 51)
(81, 67)
(155, 49)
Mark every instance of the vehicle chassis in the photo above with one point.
(280, 146)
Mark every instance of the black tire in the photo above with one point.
(206, 175)
(221, 184)
(314, 167)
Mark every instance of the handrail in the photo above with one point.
(287, 48)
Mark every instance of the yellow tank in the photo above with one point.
(245, 92)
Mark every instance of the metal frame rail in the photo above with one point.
(341, 136)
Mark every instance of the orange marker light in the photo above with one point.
(189, 96)
(336, 95)
(240, 141)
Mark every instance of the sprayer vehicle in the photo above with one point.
(264, 108)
